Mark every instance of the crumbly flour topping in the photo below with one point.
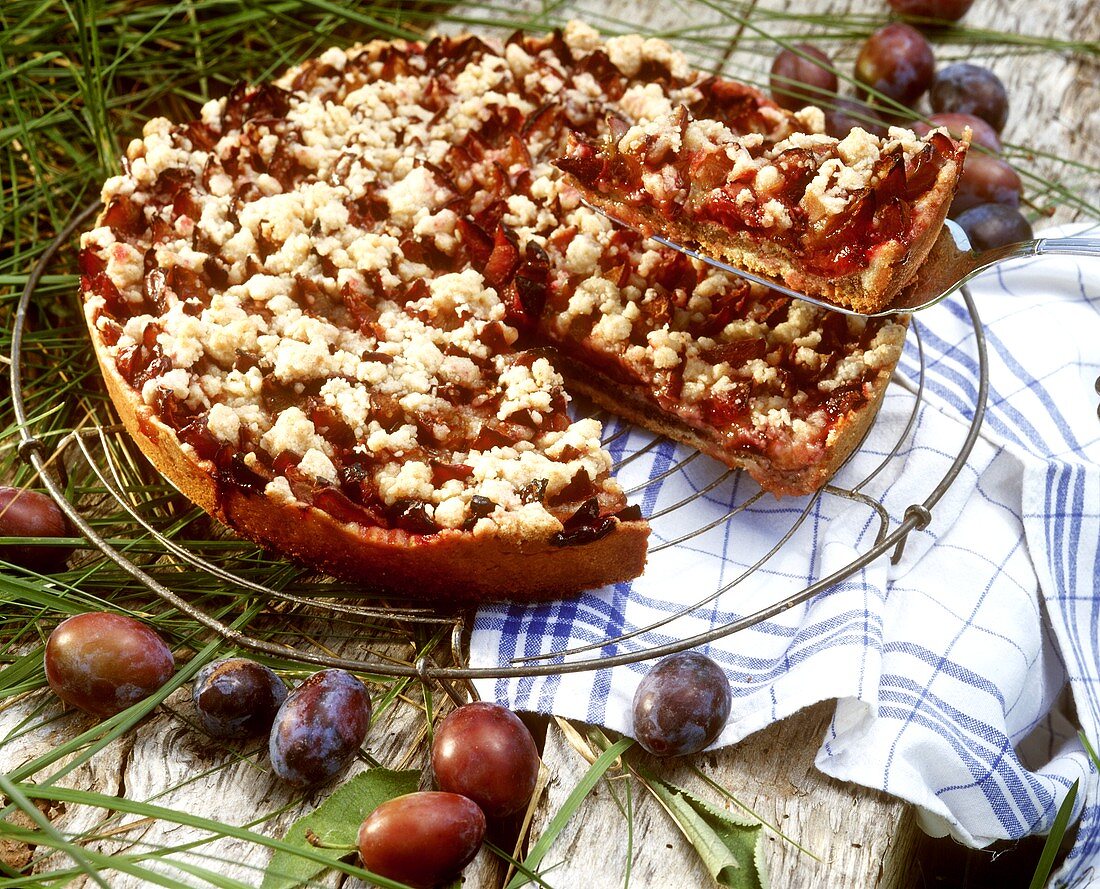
(754, 170)
(335, 287)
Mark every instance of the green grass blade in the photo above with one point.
(12, 792)
(1054, 839)
(1090, 750)
(569, 807)
(134, 807)
(518, 865)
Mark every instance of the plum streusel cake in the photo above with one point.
(849, 220)
(341, 312)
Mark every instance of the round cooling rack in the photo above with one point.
(89, 445)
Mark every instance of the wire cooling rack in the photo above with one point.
(89, 445)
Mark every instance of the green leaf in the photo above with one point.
(729, 845)
(335, 823)
(1054, 839)
(710, 782)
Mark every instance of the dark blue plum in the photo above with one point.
(237, 698)
(970, 89)
(319, 728)
(681, 705)
(994, 225)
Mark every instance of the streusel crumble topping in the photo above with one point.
(336, 288)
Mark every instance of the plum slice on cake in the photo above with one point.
(847, 220)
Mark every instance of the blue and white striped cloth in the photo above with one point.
(950, 667)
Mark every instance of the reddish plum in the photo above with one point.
(986, 180)
(25, 513)
(797, 81)
(944, 10)
(896, 61)
(422, 839)
(485, 752)
(103, 663)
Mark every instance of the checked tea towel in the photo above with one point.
(949, 667)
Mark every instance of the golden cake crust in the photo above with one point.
(872, 290)
(449, 567)
(772, 473)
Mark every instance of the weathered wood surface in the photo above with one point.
(860, 838)
(849, 837)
